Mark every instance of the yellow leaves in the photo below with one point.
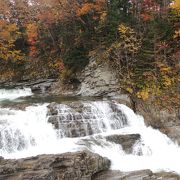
(143, 94)
(9, 32)
(8, 35)
(7, 53)
(165, 74)
(177, 34)
(163, 68)
(176, 4)
(122, 29)
(103, 15)
(129, 40)
(130, 90)
(167, 81)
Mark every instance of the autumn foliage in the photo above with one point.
(138, 38)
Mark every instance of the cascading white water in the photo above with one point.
(12, 94)
(28, 133)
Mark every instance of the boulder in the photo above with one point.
(126, 141)
(68, 166)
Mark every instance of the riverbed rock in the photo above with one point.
(118, 175)
(68, 166)
(126, 141)
(37, 86)
(135, 175)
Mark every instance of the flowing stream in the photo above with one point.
(27, 132)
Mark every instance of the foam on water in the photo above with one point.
(28, 133)
(12, 94)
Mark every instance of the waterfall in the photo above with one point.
(42, 129)
(12, 94)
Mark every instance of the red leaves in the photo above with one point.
(146, 17)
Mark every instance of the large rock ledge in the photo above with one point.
(68, 166)
(135, 175)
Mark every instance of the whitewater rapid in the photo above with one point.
(11, 94)
(25, 133)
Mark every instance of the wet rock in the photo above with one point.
(37, 86)
(165, 176)
(126, 141)
(135, 175)
(68, 166)
(118, 175)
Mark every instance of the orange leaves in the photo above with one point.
(8, 32)
(32, 33)
(85, 8)
(146, 17)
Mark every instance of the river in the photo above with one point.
(25, 131)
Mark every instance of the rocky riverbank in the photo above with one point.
(82, 165)
(167, 121)
(69, 166)
(95, 80)
(99, 80)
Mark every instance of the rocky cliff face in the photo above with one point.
(95, 80)
(167, 121)
(69, 166)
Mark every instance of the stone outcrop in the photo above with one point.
(167, 121)
(69, 166)
(126, 141)
(97, 79)
(39, 86)
(135, 175)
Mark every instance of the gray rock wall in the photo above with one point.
(97, 79)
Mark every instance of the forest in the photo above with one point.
(139, 39)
